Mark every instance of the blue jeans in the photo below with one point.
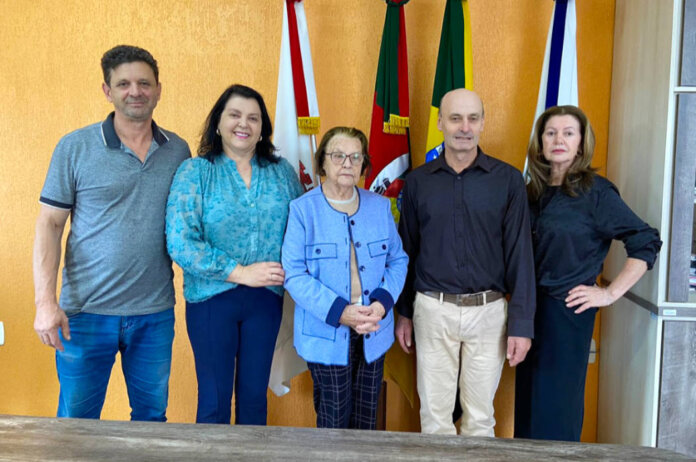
(236, 329)
(145, 344)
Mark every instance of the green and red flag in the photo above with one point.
(389, 137)
(454, 66)
(390, 151)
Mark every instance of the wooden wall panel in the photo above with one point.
(51, 85)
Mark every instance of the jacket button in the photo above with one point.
(367, 292)
(318, 251)
(384, 246)
(362, 268)
(357, 244)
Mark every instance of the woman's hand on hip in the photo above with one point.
(261, 274)
(360, 318)
(585, 297)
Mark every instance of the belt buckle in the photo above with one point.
(479, 298)
(465, 299)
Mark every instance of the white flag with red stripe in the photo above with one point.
(297, 111)
(296, 126)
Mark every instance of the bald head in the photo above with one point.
(461, 122)
(460, 96)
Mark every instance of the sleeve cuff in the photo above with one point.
(56, 204)
(384, 297)
(404, 309)
(228, 270)
(336, 311)
(648, 256)
(520, 328)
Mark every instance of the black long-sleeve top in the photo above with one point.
(469, 232)
(572, 235)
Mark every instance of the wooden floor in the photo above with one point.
(50, 439)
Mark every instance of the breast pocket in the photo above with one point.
(320, 251)
(378, 248)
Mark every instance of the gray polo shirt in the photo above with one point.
(116, 260)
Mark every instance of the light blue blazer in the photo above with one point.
(316, 260)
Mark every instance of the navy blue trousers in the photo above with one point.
(550, 382)
(234, 330)
(347, 396)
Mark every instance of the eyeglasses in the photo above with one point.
(339, 157)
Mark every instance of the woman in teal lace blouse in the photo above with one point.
(226, 216)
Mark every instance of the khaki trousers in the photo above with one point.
(450, 338)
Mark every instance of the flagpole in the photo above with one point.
(313, 144)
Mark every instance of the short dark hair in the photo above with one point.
(348, 132)
(121, 54)
(211, 143)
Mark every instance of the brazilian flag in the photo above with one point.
(454, 65)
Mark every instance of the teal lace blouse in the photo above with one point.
(215, 222)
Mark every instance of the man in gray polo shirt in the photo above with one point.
(112, 178)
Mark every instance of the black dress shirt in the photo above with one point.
(467, 233)
(572, 235)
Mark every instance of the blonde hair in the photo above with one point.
(580, 175)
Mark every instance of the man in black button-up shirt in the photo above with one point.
(465, 226)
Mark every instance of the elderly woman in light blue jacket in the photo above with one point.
(345, 268)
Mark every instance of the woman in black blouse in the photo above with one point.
(575, 215)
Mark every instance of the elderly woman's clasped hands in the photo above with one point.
(363, 319)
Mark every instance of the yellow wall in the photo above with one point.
(50, 84)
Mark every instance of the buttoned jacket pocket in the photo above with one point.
(378, 248)
(320, 251)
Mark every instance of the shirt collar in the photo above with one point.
(112, 140)
(482, 161)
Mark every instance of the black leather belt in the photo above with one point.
(477, 299)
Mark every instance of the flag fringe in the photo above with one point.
(308, 125)
(397, 125)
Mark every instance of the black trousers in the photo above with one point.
(550, 383)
